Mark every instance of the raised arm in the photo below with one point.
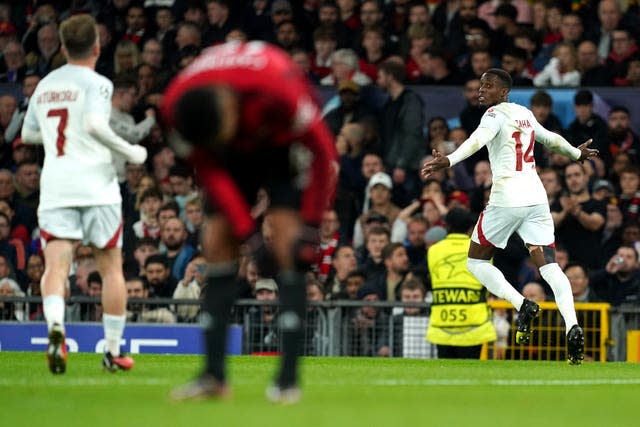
(558, 144)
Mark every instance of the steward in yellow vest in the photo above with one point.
(460, 320)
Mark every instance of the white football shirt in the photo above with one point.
(510, 131)
(78, 167)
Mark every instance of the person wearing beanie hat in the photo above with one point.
(377, 198)
(588, 124)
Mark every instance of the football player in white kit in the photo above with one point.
(518, 203)
(79, 193)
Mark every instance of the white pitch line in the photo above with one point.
(124, 381)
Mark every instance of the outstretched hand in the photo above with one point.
(438, 162)
(586, 152)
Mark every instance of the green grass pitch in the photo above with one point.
(337, 392)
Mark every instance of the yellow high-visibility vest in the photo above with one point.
(460, 315)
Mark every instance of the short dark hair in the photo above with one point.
(583, 97)
(198, 115)
(151, 192)
(394, 69)
(619, 109)
(94, 277)
(124, 82)
(541, 99)
(78, 35)
(157, 259)
(388, 250)
(502, 76)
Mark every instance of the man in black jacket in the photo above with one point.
(402, 124)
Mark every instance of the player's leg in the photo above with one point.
(493, 229)
(222, 250)
(58, 256)
(537, 233)
(114, 301)
(288, 247)
(58, 229)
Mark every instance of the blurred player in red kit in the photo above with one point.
(244, 116)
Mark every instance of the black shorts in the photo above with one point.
(274, 169)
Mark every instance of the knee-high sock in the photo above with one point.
(218, 301)
(494, 280)
(562, 291)
(293, 299)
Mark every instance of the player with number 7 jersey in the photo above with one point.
(79, 194)
(70, 108)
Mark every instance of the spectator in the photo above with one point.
(588, 124)
(35, 269)
(629, 202)
(313, 339)
(138, 311)
(609, 16)
(579, 219)
(387, 284)
(373, 50)
(126, 58)
(194, 218)
(190, 287)
(561, 69)
(351, 108)
(263, 336)
(571, 30)
(145, 247)
(343, 263)
(415, 243)
(472, 113)
(159, 281)
(379, 192)
(94, 311)
(411, 291)
(219, 22)
(303, 59)
(328, 14)
(552, 185)
(593, 73)
(344, 66)
(514, 61)
(136, 23)
(27, 184)
(623, 47)
(506, 28)
(188, 33)
(355, 280)
(577, 275)
(633, 71)
(181, 180)
(125, 93)
(48, 56)
(9, 288)
(367, 329)
(370, 255)
(14, 63)
(621, 137)
(324, 45)
(12, 130)
(287, 36)
(165, 32)
(179, 252)
(329, 241)
(534, 291)
(619, 281)
(17, 230)
(402, 121)
(148, 225)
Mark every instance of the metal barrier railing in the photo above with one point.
(359, 328)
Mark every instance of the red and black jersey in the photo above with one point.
(278, 108)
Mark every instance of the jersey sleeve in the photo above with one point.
(98, 99)
(488, 128)
(30, 119)
(554, 142)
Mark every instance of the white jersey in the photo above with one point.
(510, 131)
(68, 113)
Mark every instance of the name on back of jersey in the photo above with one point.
(54, 96)
(524, 124)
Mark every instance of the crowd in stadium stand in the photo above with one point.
(371, 53)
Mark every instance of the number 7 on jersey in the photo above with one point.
(63, 114)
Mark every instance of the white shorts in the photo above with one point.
(97, 225)
(496, 224)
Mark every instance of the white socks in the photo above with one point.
(494, 280)
(562, 291)
(113, 328)
(53, 306)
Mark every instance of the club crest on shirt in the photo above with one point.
(104, 92)
(490, 113)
